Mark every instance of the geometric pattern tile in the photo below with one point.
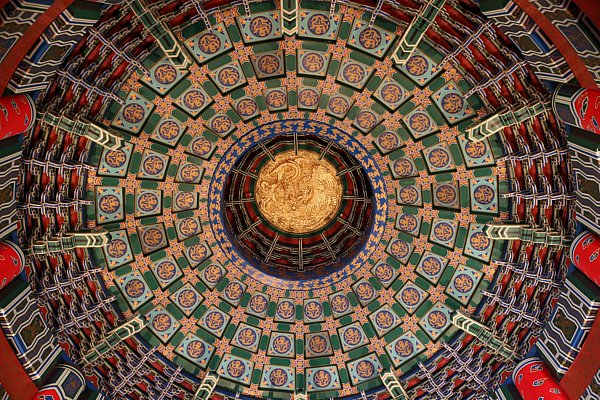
(404, 348)
(313, 311)
(258, 305)
(322, 378)
(409, 195)
(452, 104)
(187, 227)
(364, 369)
(411, 297)
(317, 344)
(228, 77)
(354, 73)
(285, 311)
(214, 321)
(318, 25)
(420, 68)
(246, 107)
(400, 250)
(132, 116)
(197, 253)
(478, 245)
(163, 76)
(371, 39)
(233, 292)
(476, 154)
(221, 124)
(340, 305)
(166, 270)
(268, 65)
(210, 43)
(365, 292)
(278, 378)
(419, 123)
(439, 158)
(444, 232)
(135, 288)
(313, 63)
(352, 336)
(162, 323)
(436, 320)
(118, 251)
(147, 202)
(403, 167)
(109, 204)
(259, 27)
(388, 141)
(236, 369)
(212, 274)
(446, 194)
(408, 223)
(115, 162)
(391, 93)
(431, 266)
(153, 165)
(168, 131)
(196, 350)
(189, 172)
(152, 237)
(484, 195)
(193, 100)
(282, 345)
(247, 337)
(385, 273)
(463, 283)
(187, 299)
(276, 99)
(384, 320)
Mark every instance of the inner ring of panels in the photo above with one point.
(282, 253)
(270, 337)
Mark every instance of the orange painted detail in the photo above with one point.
(576, 64)
(586, 364)
(26, 42)
(15, 379)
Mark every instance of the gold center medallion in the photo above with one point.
(298, 193)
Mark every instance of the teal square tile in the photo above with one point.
(420, 123)
(388, 141)
(385, 273)
(313, 63)
(411, 296)
(168, 131)
(135, 289)
(152, 237)
(195, 350)
(269, 64)
(147, 202)
(118, 251)
(420, 68)
(463, 283)
(452, 103)
(478, 245)
(184, 200)
(372, 40)
(153, 165)
(275, 377)
(484, 195)
(285, 311)
(431, 266)
(246, 107)
(233, 292)
(109, 204)
(187, 227)
(313, 24)
(391, 93)
(354, 73)
(210, 43)
(313, 311)
(163, 76)
(339, 105)
(446, 194)
(214, 321)
(258, 305)
(366, 120)
(476, 154)
(115, 162)
(247, 337)
(259, 27)
(193, 100)
(201, 147)
(317, 344)
(189, 172)
(236, 369)
(340, 305)
(409, 195)
(364, 291)
(436, 320)
(403, 167)
(439, 158)
(352, 336)
(162, 323)
(187, 299)
(384, 320)
(132, 116)
(443, 232)
(404, 348)
(166, 271)
(276, 98)
(400, 250)
(228, 77)
(322, 378)
(408, 223)
(308, 98)
(364, 369)
(197, 253)
(221, 124)
(282, 345)
(212, 274)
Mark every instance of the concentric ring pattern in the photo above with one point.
(275, 312)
